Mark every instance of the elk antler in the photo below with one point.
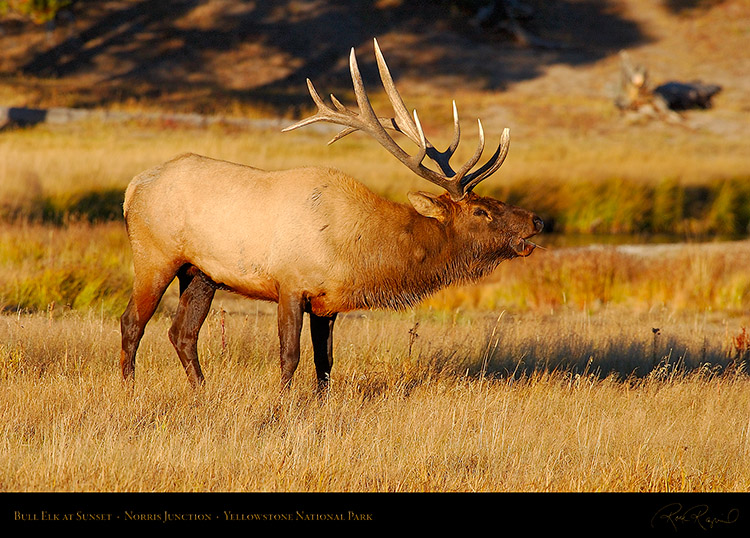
(457, 183)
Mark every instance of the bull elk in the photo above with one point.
(314, 240)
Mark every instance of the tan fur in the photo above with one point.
(313, 229)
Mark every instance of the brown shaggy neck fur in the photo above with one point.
(387, 278)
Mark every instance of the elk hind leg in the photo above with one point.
(148, 289)
(196, 295)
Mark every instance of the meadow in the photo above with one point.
(523, 403)
(585, 367)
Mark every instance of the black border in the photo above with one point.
(658, 513)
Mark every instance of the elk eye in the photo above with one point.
(479, 212)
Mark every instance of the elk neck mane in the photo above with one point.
(397, 256)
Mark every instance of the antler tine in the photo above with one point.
(419, 157)
(442, 158)
(403, 120)
(318, 116)
(365, 108)
(468, 165)
(456, 130)
(490, 167)
(338, 104)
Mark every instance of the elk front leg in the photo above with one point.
(321, 330)
(197, 293)
(291, 309)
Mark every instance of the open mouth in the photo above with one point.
(524, 247)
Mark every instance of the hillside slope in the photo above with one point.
(201, 55)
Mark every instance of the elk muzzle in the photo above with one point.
(522, 246)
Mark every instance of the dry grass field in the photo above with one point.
(546, 377)
(612, 363)
(526, 403)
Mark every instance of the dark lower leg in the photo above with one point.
(290, 327)
(194, 305)
(132, 332)
(321, 330)
(133, 321)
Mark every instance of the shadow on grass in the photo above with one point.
(94, 206)
(683, 6)
(620, 358)
(632, 364)
(261, 52)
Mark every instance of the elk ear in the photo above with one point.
(428, 205)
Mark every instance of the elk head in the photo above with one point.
(487, 226)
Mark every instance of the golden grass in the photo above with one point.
(77, 266)
(393, 422)
(682, 277)
(546, 377)
(650, 181)
(86, 266)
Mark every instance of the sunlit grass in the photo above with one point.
(79, 266)
(89, 266)
(592, 369)
(681, 183)
(691, 277)
(442, 415)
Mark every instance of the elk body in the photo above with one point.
(314, 240)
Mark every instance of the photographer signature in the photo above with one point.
(676, 515)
